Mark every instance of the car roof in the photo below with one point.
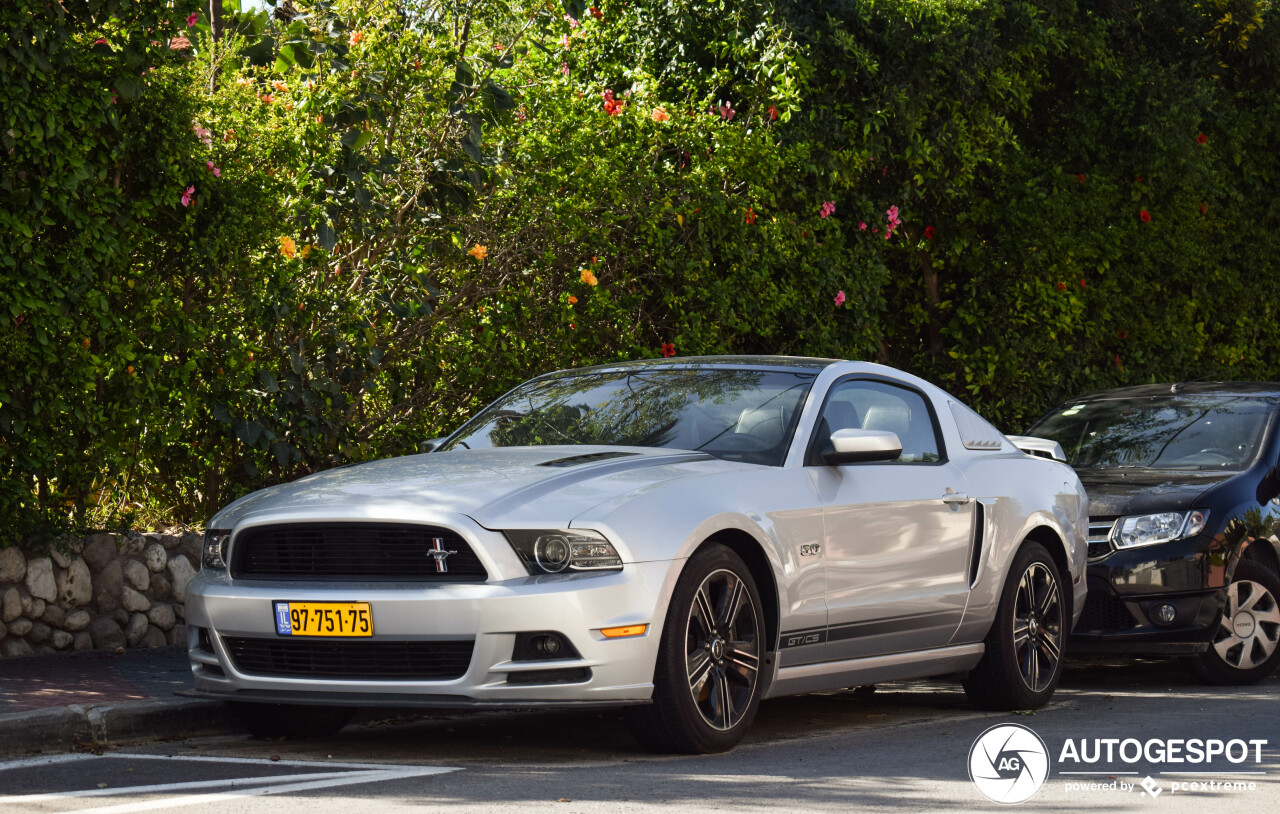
(1182, 389)
(761, 362)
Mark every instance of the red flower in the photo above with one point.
(1062, 286)
(1201, 138)
(1204, 208)
(750, 217)
(1123, 333)
(773, 112)
(929, 232)
(1081, 179)
(1082, 283)
(668, 350)
(1117, 360)
(1145, 216)
(1137, 177)
(595, 12)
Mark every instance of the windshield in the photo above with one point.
(1173, 432)
(738, 415)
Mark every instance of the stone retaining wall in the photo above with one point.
(104, 592)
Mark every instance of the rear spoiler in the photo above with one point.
(1040, 447)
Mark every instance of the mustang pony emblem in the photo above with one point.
(439, 553)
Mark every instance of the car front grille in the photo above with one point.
(354, 552)
(312, 658)
(1104, 613)
(1100, 536)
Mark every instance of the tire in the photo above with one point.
(1246, 643)
(290, 720)
(1023, 660)
(714, 632)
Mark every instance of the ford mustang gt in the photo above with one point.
(681, 538)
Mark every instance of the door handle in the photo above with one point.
(954, 499)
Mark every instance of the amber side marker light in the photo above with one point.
(619, 632)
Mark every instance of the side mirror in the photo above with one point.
(858, 446)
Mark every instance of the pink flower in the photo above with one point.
(727, 112)
(202, 134)
(564, 41)
(187, 196)
(192, 17)
(100, 41)
(840, 298)
(828, 208)
(862, 225)
(564, 68)
(572, 22)
(217, 173)
(892, 213)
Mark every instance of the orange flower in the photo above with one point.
(279, 86)
(589, 278)
(267, 97)
(129, 370)
(572, 301)
(355, 38)
(661, 115)
(287, 247)
(478, 252)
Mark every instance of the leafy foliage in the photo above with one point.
(236, 251)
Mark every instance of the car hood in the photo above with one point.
(1115, 492)
(507, 487)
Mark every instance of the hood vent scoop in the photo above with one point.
(577, 460)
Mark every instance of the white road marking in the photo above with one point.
(47, 760)
(349, 779)
(357, 773)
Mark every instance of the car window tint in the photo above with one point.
(1173, 432)
(871, 405)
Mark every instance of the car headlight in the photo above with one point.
(1149, 529)
(557, 550)
(215, 549)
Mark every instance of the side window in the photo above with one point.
(863, 404)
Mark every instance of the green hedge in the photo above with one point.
(416, 204)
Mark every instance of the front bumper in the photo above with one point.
(490, 614)
(1128, 585)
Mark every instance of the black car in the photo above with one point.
(1184, 511)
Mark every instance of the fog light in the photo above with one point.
(547, 645)
(1164, 614)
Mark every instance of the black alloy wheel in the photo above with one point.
(1038, 626)
(707, 683)
(1023, 659)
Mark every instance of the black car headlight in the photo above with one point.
(555, 551)
(1149, 529)
(215, 549)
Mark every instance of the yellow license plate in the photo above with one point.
(323, 619)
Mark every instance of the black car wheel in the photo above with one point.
(1023, 660)
(290, 720)
(707, 684)
(1246, 644)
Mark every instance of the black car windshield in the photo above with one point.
(735, 414)
(1168, 432)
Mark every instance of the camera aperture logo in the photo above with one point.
(1008, 763)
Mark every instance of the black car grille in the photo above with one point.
(1100, 536)
(310, 658)
(353, 552)
(1104, 613)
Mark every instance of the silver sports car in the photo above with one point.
(682, 538)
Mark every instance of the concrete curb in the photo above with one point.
(116, 724)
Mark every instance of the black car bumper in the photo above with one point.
(1164, 598)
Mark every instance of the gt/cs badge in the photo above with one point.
(810, 550)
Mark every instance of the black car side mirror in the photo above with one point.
(1269, 486)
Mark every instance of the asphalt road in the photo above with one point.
(905, 747)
